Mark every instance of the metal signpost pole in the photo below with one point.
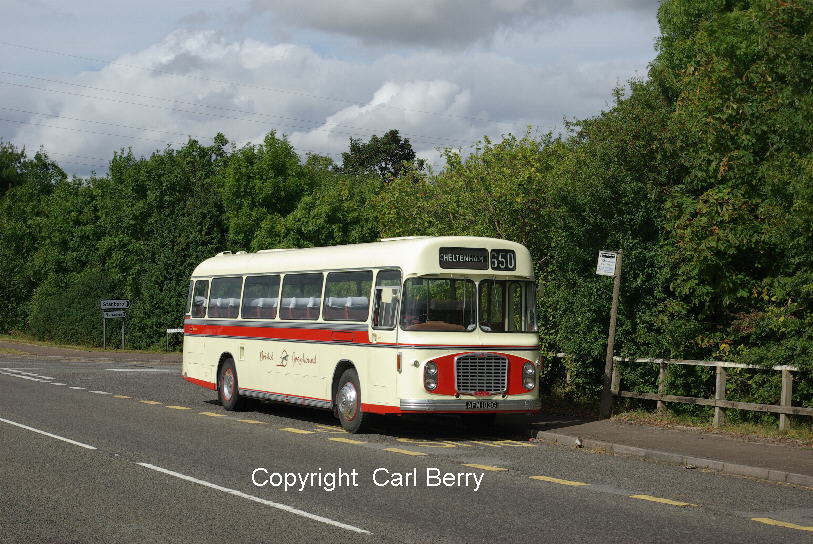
(607, 393)
(114, 309)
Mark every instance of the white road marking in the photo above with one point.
(18, 371)
(101, 392)
(138, 370)
(23, 377)
(240, 494)
(68, 440)
(77, 387)
(55, 383)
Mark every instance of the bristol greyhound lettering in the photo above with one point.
(302, 359)
(266, 356)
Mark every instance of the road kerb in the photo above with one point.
(678, 459)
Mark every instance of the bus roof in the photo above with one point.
(418, 255)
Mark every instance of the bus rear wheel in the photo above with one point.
(348, 401)
(227, 389)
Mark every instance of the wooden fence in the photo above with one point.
(784, 408)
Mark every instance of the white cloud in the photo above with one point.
(200, 82)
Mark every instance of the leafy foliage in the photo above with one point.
(385, 156)
(702, 174)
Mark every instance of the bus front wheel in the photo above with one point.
(348, 401)
(227, 388)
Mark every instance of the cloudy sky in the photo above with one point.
(84, 78)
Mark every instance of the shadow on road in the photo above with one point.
(424, 426)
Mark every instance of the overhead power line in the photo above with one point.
(86, 157)
(124, 136)
(296, 92)
(414, 136)
(86, 131)
(109, 123)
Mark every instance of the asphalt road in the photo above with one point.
(102, 452)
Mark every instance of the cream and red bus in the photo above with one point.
(401, 326)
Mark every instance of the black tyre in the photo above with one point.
(227, 389)
(348, 401)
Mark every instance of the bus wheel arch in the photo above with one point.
(341, 366)
(227, 383)
(347, 395)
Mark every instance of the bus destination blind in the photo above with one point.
(476, 258)
(470, 258)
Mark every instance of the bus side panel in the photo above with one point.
(194, 366)
(286, 368)
(382, 375)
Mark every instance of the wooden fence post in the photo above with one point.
(661, 384)
(719, 394)
(785, 398)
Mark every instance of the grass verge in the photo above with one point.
(21, 338)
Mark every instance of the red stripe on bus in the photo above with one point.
(278, 333)
(461, 346)
(317, 335)
(380, 409)
(202, 383)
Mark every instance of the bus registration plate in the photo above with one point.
(482, 405)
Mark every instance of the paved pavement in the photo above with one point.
(101, 451)
(748, 457)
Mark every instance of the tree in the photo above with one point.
(385, 156)
(739, 214)
(26, 184)
(260, 185)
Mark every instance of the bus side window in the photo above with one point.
(347, 296)
(301, 296)
(386, 297)
(261, 297)
(199, 297)
(224, 298)
(189, 298)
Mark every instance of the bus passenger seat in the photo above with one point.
(357, 308)
(287, 309)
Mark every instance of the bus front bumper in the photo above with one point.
(470, 405)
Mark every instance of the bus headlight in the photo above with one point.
(529, 376)
(430, 376)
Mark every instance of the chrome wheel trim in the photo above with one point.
(227, 384)
(347, 400)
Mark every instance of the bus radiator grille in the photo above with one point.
(477, 372)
